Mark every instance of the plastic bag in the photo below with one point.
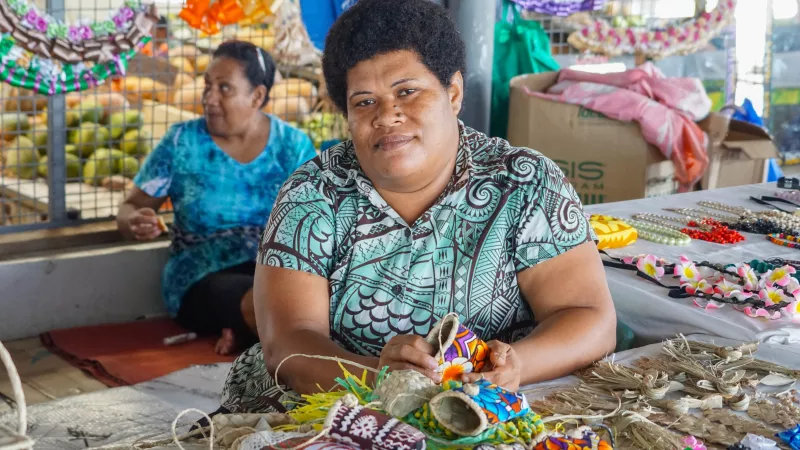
(520, 47)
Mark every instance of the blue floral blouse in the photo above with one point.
(220, 204)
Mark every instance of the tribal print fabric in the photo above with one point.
(506, 209)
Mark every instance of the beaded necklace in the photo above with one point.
(763, 222)
(711, 230)
(659, 234)
(784, 240)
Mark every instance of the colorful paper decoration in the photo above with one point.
(611, 232)
(98, 42)
(458, 349)
(469, 409)
(47, 77)
(48, 56)
(602, 37)
(560, 8)
(209, 17)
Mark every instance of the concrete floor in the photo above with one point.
(44, 376)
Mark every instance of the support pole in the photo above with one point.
(475, 20)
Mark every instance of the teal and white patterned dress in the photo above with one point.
(506, 209)
(220, 204)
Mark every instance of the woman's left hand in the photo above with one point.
(505, 367)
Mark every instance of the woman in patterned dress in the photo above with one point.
(371, 244)
(222, 174)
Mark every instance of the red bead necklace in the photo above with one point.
(719, 233)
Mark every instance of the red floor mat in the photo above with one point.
(130, 353)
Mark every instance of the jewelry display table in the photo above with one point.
(651, 313)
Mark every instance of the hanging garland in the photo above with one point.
(560, 8)
(48, 56)
(47, 77)
(99, 41)
(600, 36)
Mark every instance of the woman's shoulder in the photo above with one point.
(496, 157)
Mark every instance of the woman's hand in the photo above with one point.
(143, 224)
(505, 367)
(410, 352)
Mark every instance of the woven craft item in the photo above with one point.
(350, 423)
(457, 348)
(10, 439)
(404, 391)
(470, 409)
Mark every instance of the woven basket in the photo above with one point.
(10, 439)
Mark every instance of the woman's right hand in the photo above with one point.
(409, 352)
(143, 224)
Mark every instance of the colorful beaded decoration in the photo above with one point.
(47, 56)
(784, 240)
(604, 38)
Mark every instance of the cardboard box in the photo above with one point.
(605, 160)
(739, 154)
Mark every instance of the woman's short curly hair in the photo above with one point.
(374, 27)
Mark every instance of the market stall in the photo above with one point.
(142, 414)
(647, 307)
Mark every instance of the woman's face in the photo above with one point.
(229, 101)
(404, 123)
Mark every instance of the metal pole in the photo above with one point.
(56, 141)
(475, 20)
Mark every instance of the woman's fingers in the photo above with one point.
(411, 349)
(498, 353)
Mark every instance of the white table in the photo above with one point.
(646, 307)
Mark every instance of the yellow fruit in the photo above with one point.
(120, 122)
(90, 111)
(294, 87)
(289, 109)
(88, 137)
(136, 142)
(73, 166)
(183, 64)
(190, 97)
(182, 79)
(127, 167)
(21, 158)
(13, 125)
(96, 169)
(201, 63)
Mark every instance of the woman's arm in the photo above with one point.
(577, 323)
(136, 218)
(293, 316)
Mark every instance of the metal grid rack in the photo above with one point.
(83, 171)
(44, 180)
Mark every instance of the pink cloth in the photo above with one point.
(665, 108)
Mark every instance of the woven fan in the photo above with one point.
(10, 439)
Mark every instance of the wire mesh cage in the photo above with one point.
(714, 62)
(69, 159)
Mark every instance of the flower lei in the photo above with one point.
(602, 37)
(772, 294)
(48, 56)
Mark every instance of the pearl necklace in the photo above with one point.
(703, 213)
(780, 221)
(659, 234)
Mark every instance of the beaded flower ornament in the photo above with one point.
(758, 289)
(600, 36)
(49, 56)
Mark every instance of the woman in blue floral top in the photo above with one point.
(373, 242)
(222, 174)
